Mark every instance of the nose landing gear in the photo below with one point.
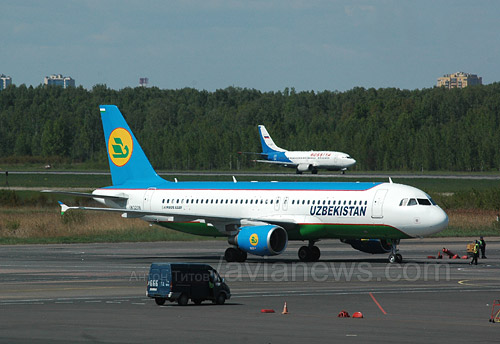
(395, 257)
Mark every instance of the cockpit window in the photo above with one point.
(424, 201)
(412, 201)
(403, 202)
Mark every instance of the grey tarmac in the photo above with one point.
(96, 293)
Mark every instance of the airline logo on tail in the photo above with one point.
(120, 146)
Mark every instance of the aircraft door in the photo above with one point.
(277, 204)
(377, 205)
(148, 195)
(285, 203)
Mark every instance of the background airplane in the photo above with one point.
(302, 161)
(260, 218)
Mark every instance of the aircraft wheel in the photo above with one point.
(314, 171)
(399, 258)
(304, 254)
(298, 172)
(231, 255)
(160, 301)
(392, 258)
(315, 253)
(242, 256)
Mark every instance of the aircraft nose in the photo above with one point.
(439, 220)
(351, 162)
(442, 219)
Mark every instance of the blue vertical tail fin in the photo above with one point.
(127, 161)
(268, 145)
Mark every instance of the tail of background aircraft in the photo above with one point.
(268, 145)
(127, 160)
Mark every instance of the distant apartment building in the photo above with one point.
(459, 80)
(5, 81)
(59, 80)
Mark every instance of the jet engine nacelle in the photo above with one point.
(267, 240)
(373, 246)
(304, 167)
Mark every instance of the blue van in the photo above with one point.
(182, 282)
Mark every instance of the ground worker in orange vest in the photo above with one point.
(475, 254)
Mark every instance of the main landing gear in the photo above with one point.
(309, 253)
(395, 257)
(234, 254)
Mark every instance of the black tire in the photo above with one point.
(242, 256)
(314, 171)
(392, 258)
(221, 298)
(399, 258)
(315, 253)
(160, 301)
(197, 301)
(304, 254)
(231, 255)
(182, 300)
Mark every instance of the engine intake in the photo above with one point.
(267, 240)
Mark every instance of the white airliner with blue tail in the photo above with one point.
(259, 218)
(302, 161)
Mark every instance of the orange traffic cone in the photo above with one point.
(285, 309)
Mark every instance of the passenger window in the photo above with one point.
(412, 201)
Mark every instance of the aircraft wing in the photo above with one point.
(283, 163)
(288, 223)
(83, 194)
(141, 213)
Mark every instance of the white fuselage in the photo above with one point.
(245, 203)
(321, 159)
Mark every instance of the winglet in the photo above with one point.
(64, 207)
(390, 180)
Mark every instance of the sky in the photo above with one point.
(267, 45)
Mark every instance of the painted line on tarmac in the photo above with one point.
(378, 304)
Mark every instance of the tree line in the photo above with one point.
(383, 129)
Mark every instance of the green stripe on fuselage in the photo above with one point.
(304, 231)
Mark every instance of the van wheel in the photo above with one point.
(183, 300)
(160, 301)
(221, 298)
(197, 301)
